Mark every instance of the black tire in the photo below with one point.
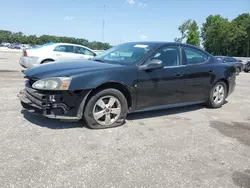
(88, 111)
(211, 103)
(47, 61)
(238, 70)
(246, 71)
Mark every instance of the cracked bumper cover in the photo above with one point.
(54, 104)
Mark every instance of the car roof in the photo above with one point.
(152, 42)
(163, 43)
(64, 43)
(51, 44)
(61, 43)
(221, 56)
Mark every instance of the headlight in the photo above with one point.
(57, 83)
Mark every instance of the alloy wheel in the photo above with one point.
(107, 110)
(218, 93)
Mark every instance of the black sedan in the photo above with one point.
(238, 63)
(247, 67)
(130, 77)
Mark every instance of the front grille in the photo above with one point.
(39, 99)
(36, 101)
(35, 93)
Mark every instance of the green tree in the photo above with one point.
(32, 39)
(193, 34)
(183, 28)
(239, 37)
(19, 37)
(215, 35)
(222, 37)
(248, 37)
(5, 36)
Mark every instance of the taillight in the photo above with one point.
(25, 53)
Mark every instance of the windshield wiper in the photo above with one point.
(99, 60)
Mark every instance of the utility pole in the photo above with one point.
(120, 40)
(103, 23)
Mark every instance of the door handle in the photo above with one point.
(178, 75)
(211, 71)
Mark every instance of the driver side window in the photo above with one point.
(169, 55)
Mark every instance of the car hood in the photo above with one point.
(72, 68)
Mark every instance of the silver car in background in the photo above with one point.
(54, 52)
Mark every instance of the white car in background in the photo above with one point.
(54, 52)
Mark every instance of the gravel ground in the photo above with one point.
(181, 147)
(9, 61)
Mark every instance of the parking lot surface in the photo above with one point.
(9, 61)
(182, 147)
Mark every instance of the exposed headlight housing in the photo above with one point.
(55, 83)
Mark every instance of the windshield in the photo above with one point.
(128, 53)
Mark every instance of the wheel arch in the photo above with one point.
(47, 59)
(112, 85)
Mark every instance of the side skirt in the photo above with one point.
(165, 106)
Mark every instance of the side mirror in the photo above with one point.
(152, 64)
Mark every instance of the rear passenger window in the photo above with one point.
(64, 48)
(84, 51)
(195, 56)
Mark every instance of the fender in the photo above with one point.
(91, 80)
(81, 106)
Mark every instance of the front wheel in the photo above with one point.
(217, 95)
(106, 108)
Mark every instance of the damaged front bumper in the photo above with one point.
(54, 104)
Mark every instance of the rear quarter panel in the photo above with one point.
(41, 53)
(225, 71)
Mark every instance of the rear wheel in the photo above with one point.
(106, 108)
(217, 95)
(246, 70)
